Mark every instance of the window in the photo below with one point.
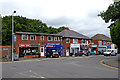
(75, 40)
(104, 42)
(89, 41)
(100, 43)
(24, 37)
(83, 41)
(32, 37)
(49, 38)
(68, 40)
(56, 38)
(5, 48)
(108, 43)
(42, 37)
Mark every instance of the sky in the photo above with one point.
(77, 15)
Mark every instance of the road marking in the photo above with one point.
(101, 62)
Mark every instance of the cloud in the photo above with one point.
(78, 15)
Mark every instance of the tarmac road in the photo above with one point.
(64, 67)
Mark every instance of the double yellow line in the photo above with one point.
(102, 63)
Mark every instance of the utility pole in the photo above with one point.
(13, 35)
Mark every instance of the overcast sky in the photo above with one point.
(78, 15)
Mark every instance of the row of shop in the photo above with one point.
(35, 50)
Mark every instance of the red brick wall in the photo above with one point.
(37, 41)
(3, 52)
(96, 42)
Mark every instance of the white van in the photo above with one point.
(110, 52)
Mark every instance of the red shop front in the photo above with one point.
(28, 50)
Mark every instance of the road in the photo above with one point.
(64, 67)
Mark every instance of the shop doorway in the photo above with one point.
(42, 50)
(67, 52)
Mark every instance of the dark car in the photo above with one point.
(55, 54)
(81, 53)
(48, 54)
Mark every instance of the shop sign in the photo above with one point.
(74, 45)
(15, 38)
(24, 45)
(49, 46)
(53, 44)
(28, 45)
(108, 46)
(94, 45)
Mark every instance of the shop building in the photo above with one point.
(73, 42)
(102, 42)
(29, 44)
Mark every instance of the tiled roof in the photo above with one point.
(101, 37)
(32, 33)
(72, 34)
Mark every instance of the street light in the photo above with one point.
(12, 35)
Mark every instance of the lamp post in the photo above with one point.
(13, 35)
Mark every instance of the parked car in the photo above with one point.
(86, 53)
(110, 52)
(101, 52)
(55, 54)
(76, 54)
(48, 54)
(81, 53)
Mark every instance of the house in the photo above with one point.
(73, 42)
(29, 44)
(101, 41)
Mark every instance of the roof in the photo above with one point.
(101, 37)
(32, 33)
(72, 34)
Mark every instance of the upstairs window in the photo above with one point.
(42, 38)
(89, 41)
(32, 37)
(24, 37)
(83, 41)
(108, 43)
(56, 38)
(104, 42)
(75, 40)
(100, 43)
(49, 38)
(68, 40)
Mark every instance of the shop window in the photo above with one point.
(68, 40)
(83, 41)
(24, 37)
(75, 40)
(56, 38)
(49, 38)
(42, 37)
(32, 37)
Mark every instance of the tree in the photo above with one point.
(112, 14)
(23, 24)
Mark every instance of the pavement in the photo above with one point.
(114, 62)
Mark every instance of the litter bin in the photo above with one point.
(16, 56)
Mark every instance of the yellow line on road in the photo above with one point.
(101, 62)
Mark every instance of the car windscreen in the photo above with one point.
(108, 50)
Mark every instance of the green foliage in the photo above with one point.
(112, 14)
(23, 24)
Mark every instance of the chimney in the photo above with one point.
(66, 28)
